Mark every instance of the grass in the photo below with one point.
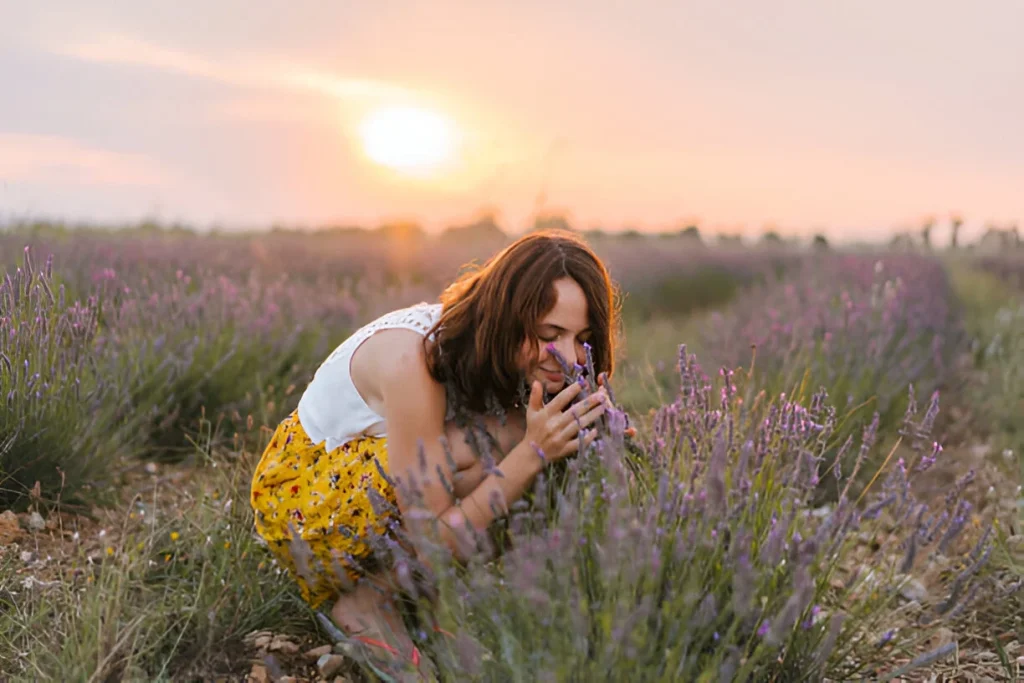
(163, 587)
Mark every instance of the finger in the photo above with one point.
(584, 421)
(571, 447)
(595, 399)
(564, 397)
(536, 397)
(574, 445)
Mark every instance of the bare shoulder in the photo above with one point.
(389, 358)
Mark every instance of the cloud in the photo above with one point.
(246, 73)
(29, 158)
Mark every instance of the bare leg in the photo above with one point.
(371, 613)
(369, 610)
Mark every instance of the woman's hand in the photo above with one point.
(554, 431)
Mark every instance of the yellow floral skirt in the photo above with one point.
(317, 510)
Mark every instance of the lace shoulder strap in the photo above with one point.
(419, 318)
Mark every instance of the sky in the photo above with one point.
(851, 118)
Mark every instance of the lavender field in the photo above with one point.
(825, 483)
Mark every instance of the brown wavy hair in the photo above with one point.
(487, 314)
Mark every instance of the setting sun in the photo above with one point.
(408, 139)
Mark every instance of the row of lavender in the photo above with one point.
(863, 326)
(122, 344)
(129, 368)
(661, 275)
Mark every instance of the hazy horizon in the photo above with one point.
(855, 121)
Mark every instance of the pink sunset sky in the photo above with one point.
(856, 118)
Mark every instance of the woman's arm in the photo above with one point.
(415, 409)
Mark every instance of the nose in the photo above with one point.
(567, 347)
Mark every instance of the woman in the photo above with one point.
(382, 410)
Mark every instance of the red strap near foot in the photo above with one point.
(380, 643)
(376, 643)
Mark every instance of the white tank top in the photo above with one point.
(331, 410)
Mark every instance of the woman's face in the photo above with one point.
(565, 327)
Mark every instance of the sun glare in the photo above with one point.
(408, 139)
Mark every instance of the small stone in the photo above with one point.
(281, 643)
(27, 556)
(914, 590)
(263, 641)
(980, 450)
(36, 521)
(342, 679)
(10, 530)
(318, 652)
(258, 674)
(329, 664)
(944, 636)
(250, 638)
(287, 679)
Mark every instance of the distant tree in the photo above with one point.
(551, 222)
(820, 242)
(401, 230)
(902, 241)
(691, 233)
(956, 224)
(484, 228)
(594, 234)
(730, 239)
(926, 232)
(771, 237)
(342, 231)
(631, 234)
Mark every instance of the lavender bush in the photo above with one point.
(187, 347)
(696, 554)
(58, 425)
(865, 326)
